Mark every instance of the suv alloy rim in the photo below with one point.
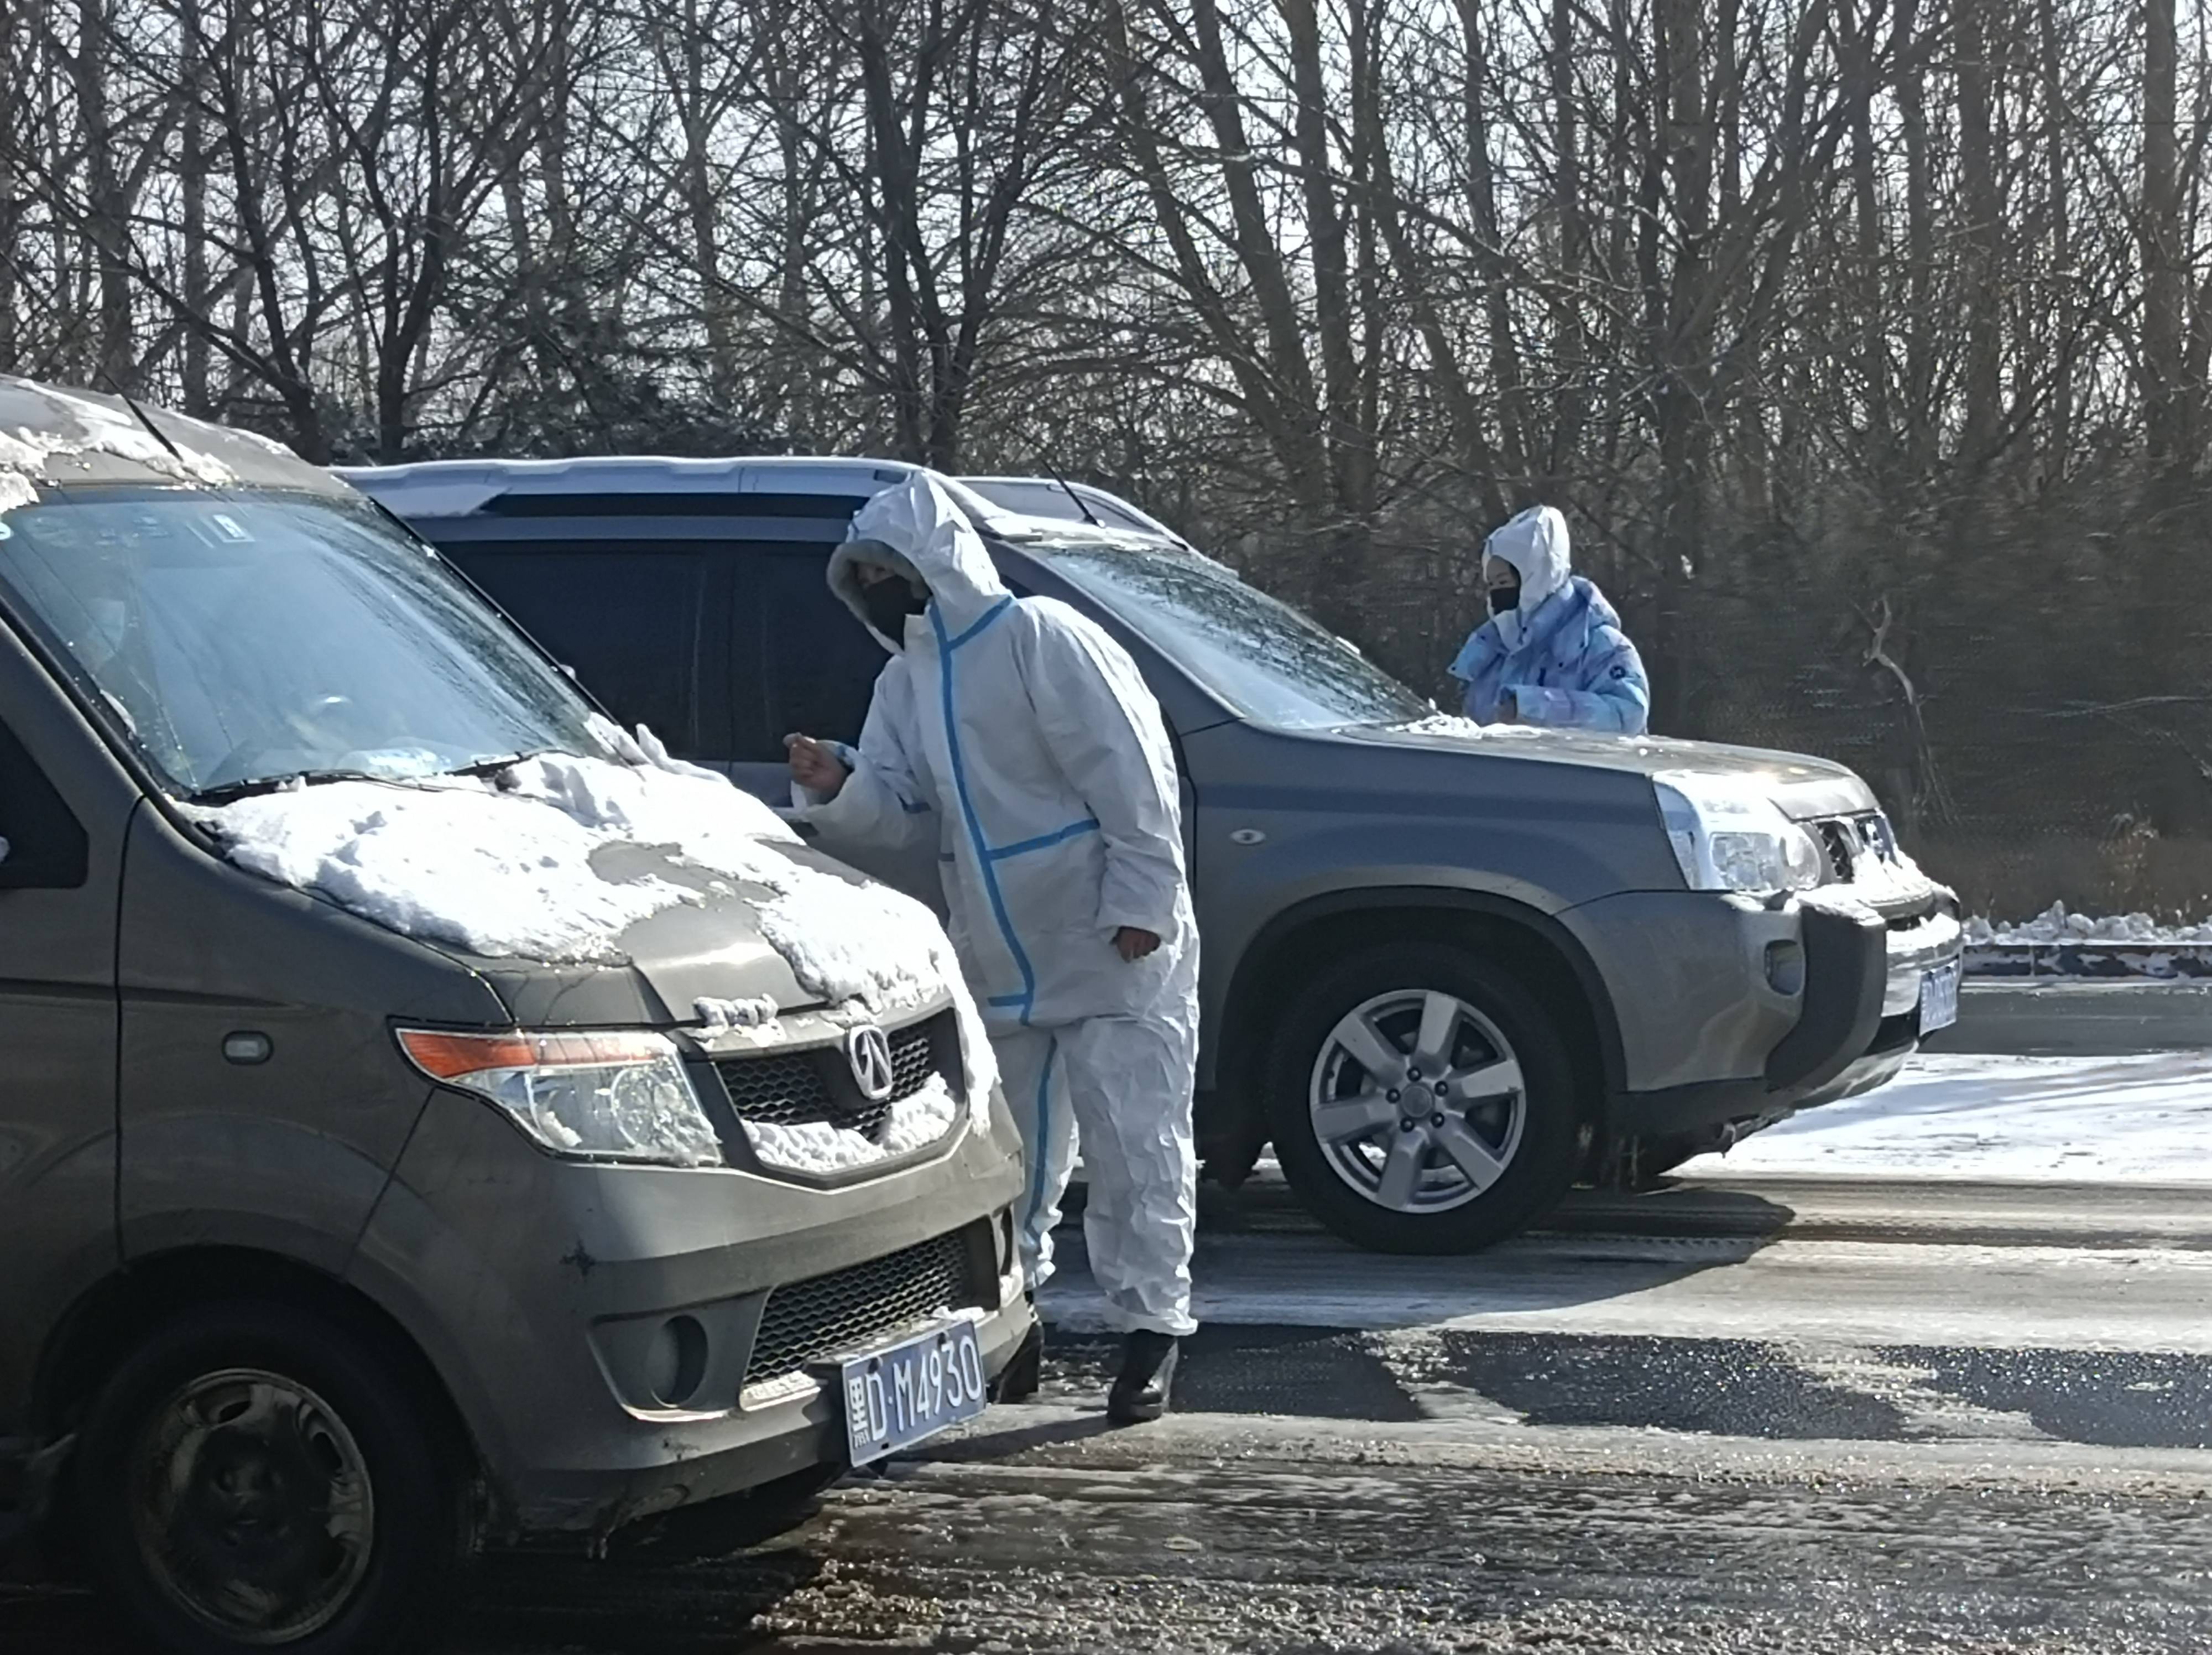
(1417, 1101)
(252, 1507)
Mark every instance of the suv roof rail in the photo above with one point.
(464, 488)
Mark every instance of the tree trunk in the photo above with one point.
(107, 209)
(1921, 425)
(1982, 244)
(192, 184)
(2162, 249)
(2058, 439)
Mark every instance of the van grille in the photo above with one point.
(806, 1321)
(792, 1088)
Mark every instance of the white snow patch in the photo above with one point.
(2056, 925)
(88, 428)
(819, 1147)
(2066, 1120)
(1464, 729)
(506, 865)
(720, 1014)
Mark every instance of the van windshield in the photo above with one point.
(244, 639)
(1270, 663)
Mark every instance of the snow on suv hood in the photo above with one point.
(1806, 788)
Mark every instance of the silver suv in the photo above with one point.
(1448, 971)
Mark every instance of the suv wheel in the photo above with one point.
(1422, 1100)
(259, 1477)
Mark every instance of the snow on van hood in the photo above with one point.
(540, 862)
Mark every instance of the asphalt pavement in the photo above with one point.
(1825, 1417)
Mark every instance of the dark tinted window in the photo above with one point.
(817, 664)
(45, 846)
(629, 623)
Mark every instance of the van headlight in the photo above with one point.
(617, 1096)
(1730, 837)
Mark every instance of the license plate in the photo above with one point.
(1939, 1000)
(911, 1390)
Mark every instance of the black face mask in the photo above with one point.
(888, 604)
(1503, 598)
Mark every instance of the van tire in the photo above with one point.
(1538, 1152)
(356, 1417)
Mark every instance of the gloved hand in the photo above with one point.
(814, 766)
(1133, 944)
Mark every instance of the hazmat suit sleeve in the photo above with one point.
(884, 804)
(1614, 695)
(1108, 740)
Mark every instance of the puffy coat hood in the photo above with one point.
(917, 529)
(1536, 543)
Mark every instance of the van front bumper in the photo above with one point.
(1745, 1012)
(540, 1291)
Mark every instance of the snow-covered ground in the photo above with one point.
(2055, 926)
(2095, 1120)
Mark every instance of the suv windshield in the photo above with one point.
(1263, 658)
(246, 638)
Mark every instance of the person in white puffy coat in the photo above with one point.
(1020, 736)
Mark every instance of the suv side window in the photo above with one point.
(816, 664)
(633, 625)
(46, 846)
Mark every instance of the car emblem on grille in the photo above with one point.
(869, 1051)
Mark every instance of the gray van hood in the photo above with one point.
(712, 949)
(1805, 788)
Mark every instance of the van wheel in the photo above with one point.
(1422, 1101)
(259, 1477)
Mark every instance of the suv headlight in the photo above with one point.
(619, 1096)
(1730, 837)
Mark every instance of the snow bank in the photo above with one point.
(514, 865)
(2067, 1120)
(817, 1147)
(2055, 926)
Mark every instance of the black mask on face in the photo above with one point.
(1503, 598)
(888, 603)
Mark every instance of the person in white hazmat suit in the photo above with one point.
(1018, 735)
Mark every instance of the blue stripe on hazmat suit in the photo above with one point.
(1562, 653)
(1018, 736)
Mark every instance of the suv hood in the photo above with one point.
(1804, 786)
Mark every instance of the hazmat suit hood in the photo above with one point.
(917, 530)
(1536, 543)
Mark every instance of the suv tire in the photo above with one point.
(1507, 1108)
(258, 1476)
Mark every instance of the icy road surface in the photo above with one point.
(1755, 1412)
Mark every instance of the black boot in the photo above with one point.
(1018, 1383)
(1140, 1389)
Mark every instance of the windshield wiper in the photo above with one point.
(487, 767)
(227, 792)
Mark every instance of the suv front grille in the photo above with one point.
(792, 1088)
(1846, 840)
(806, 1321)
